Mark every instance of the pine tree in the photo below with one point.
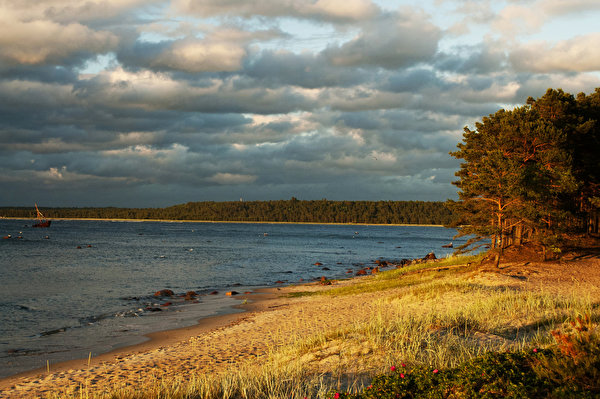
(518, 175)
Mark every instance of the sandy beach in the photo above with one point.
(272, 319)
(213, 345)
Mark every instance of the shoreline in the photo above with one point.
(155, 340)
(222, 346)
(59, 364)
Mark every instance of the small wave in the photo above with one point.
(130, 313)
(89, 320)
(52, 332)
(21, 352)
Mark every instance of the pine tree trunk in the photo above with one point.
(499, 255)
(500, 249)
(544, 253)
(500, 238)
(519, 235)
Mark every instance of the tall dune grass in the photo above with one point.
(424, 314)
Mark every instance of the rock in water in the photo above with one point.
(430, 256)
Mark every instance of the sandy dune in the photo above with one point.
(271, 318)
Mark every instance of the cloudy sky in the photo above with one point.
(150, 103)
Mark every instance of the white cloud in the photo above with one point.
(175, 153)
(526, 17)
(561, 7)
(54, 173)
(202, 56)
(219, 49)
(519, 19)
(67, 11)
(41, 41)
(579, 54)
(320, 9)
(342, 9)
(232, 178)
(392, 40)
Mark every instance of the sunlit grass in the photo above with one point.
(424, 314)
(396, 278)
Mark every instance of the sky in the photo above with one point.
(151, 103)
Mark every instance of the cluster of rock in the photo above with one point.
(192, 296)
(171, 298)
(366, 270)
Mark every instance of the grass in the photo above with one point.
(568, 369)
(465, 321)
(397, 278)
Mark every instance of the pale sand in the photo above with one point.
(221, 343)
(213, 345)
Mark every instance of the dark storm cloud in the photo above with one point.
(45, 73)
(412, 80)
(392, 40)
(151, 103)
(481, 59)
(305, 70)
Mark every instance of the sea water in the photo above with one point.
(82, 287)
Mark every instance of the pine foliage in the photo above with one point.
(286, 211)
(531, 173)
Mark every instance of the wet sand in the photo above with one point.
(130, 364)
(216, 344)
(272, 319)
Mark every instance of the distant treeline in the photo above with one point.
(290, 211)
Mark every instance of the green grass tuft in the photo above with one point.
(429, 316)
(568, 369)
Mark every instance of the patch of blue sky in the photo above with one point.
(567, 27)
(98, 64)
(446, 15)
(307, 36)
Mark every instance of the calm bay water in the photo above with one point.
(61, 302)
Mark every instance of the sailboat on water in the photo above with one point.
(42, 221)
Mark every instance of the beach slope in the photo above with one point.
(337, 329)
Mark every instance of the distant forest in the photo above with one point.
(288, 211)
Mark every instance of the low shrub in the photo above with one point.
(568, 369)
(573, 365)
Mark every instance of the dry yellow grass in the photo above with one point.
(325, 337)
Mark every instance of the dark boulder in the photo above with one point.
(164, 292)
(430, 256)
(190, 295)
(325, 281)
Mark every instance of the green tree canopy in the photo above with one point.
(530, 172)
